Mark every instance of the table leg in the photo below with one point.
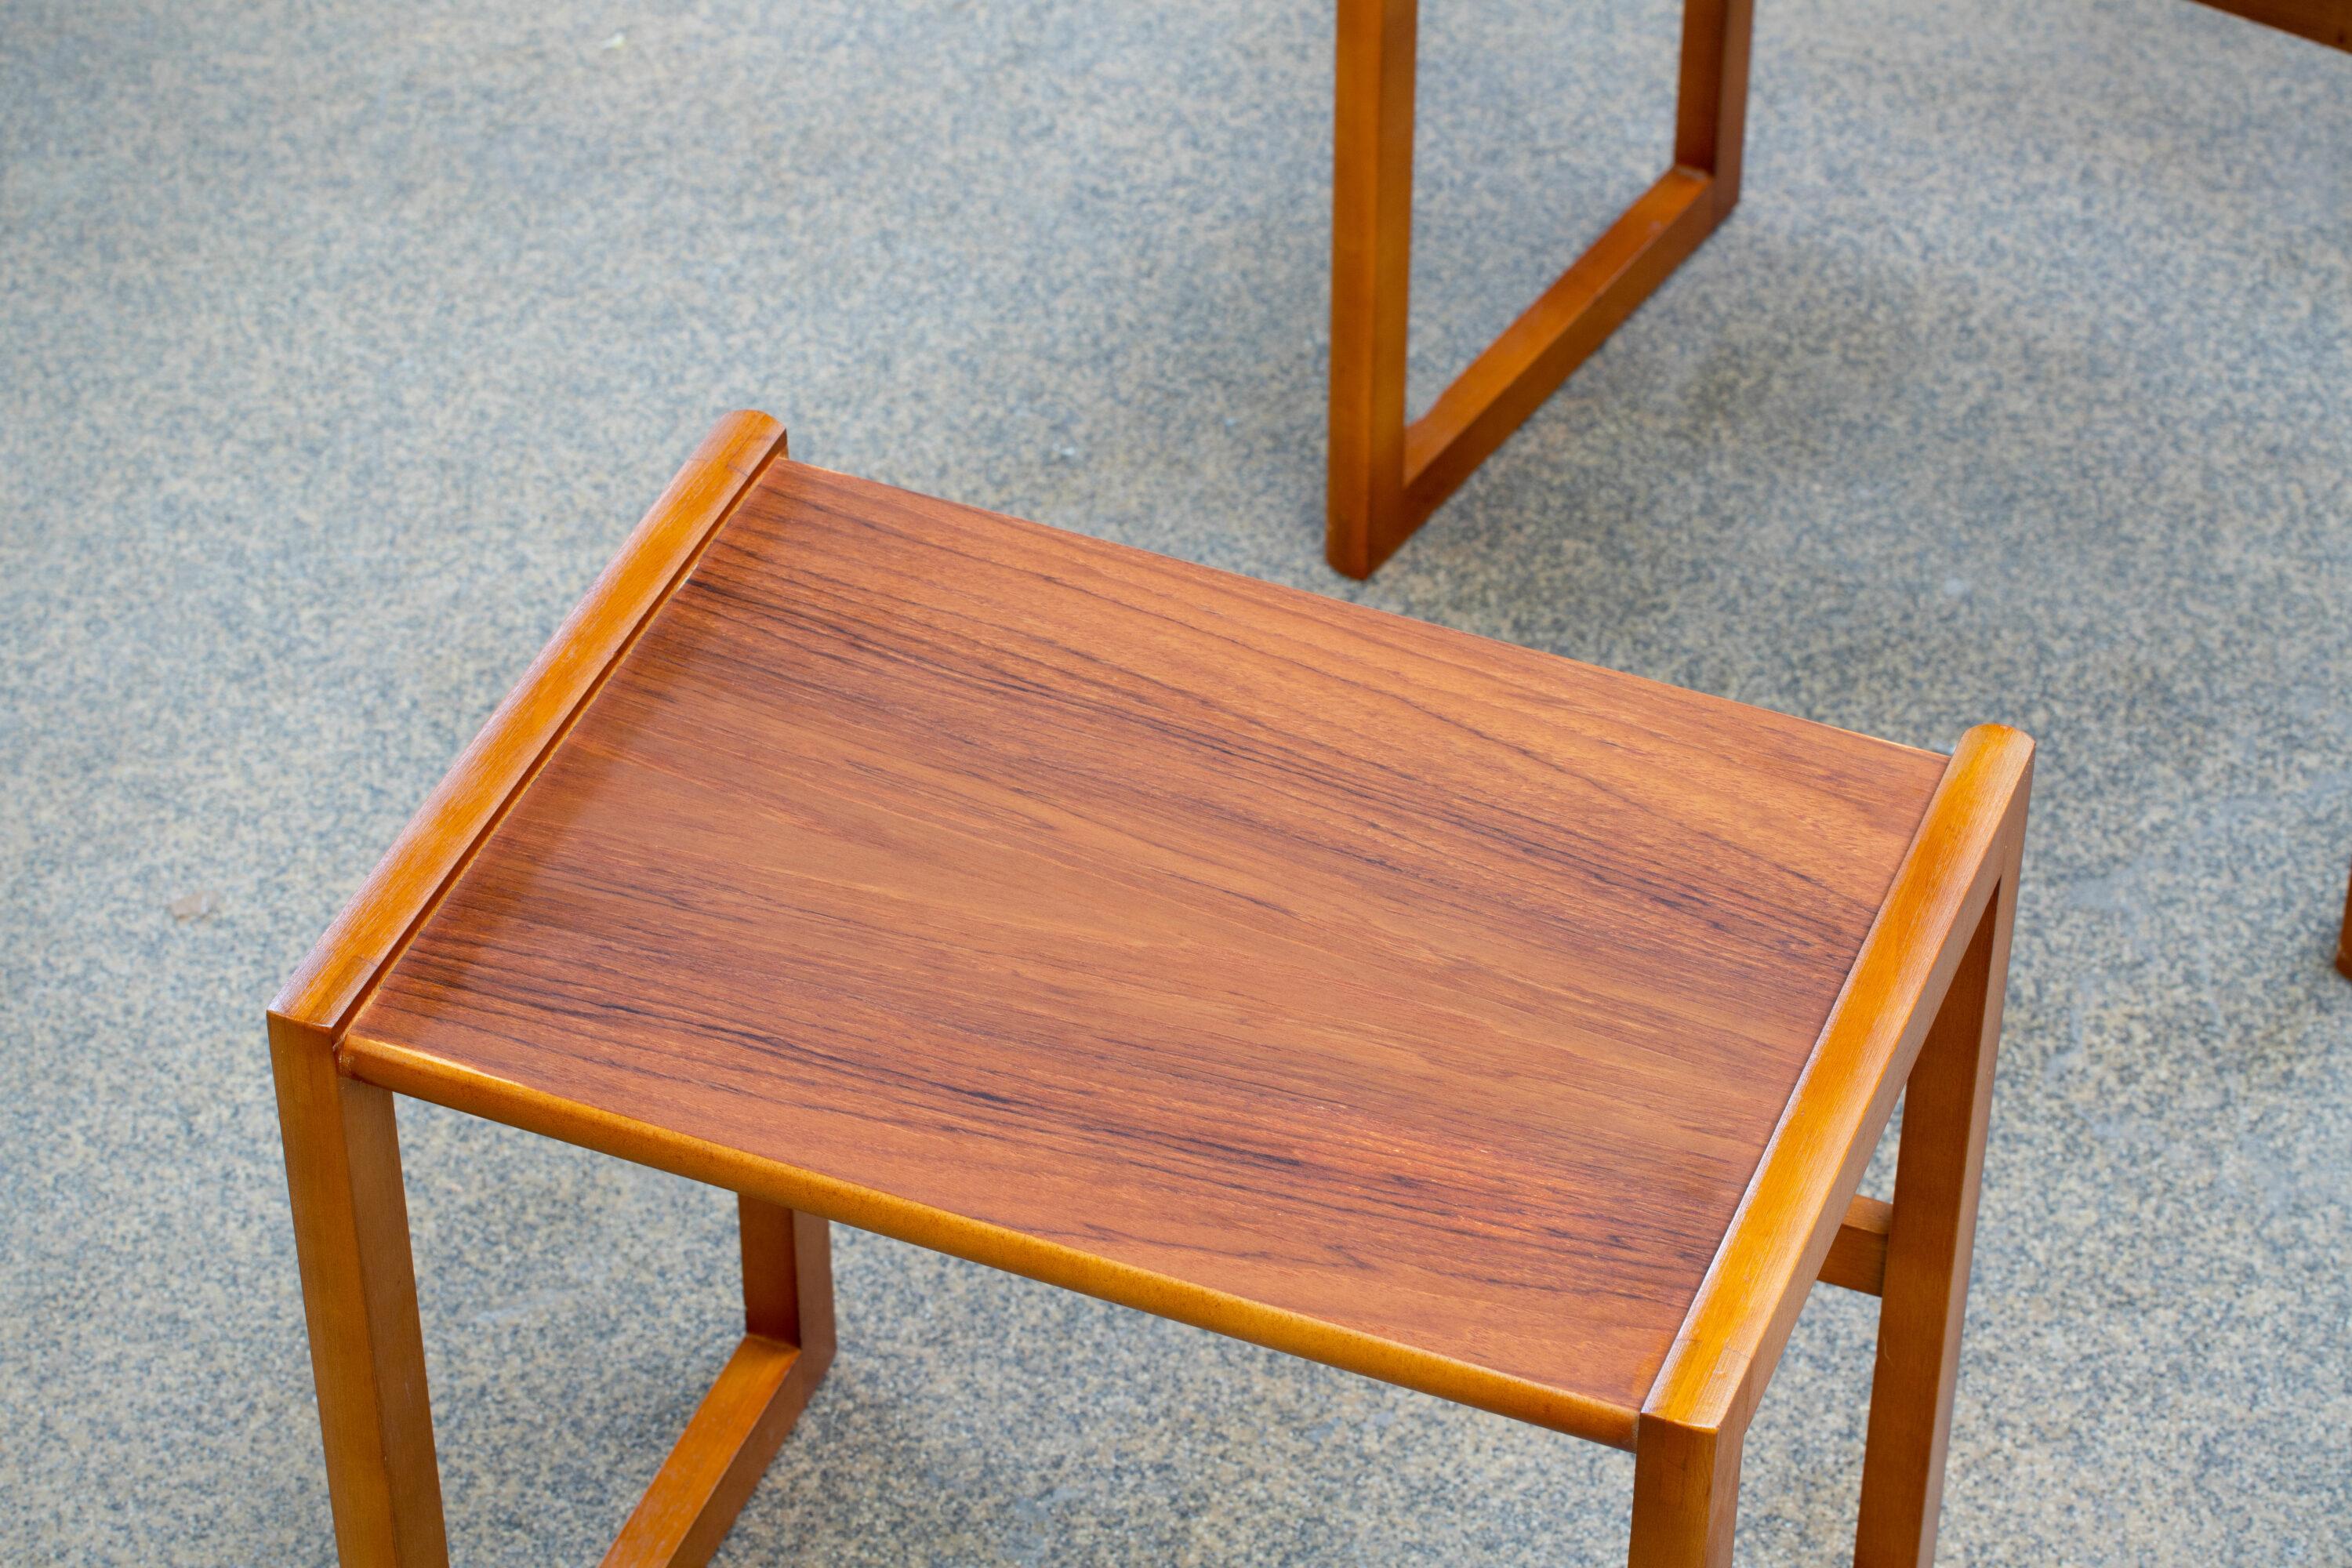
(1685, 1496)
(1372, 238)
(359, 1294)
(745, 1417)
(788, 1278)
(2343, 939)
(1711, 102)
(1387, 477)
(1928, 1242)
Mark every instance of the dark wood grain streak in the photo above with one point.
(1277, 952)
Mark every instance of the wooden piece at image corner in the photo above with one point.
(2322, 21)
(1386, 475)
(2344, 938)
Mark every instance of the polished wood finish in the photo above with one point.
(1968, 841)
(749, 1412)
(2322, 21)
(1858, 1259)
(1510, 380)
(343, 1154)
(318, 999)
(1947, 1108)
(1387, 477)
(1925, 990)
(708, 1477)
(1372, 241)
(1685, 1495)
(359, 1294)
(1711, 101)
(787, 1276)
(1042, 887)
(1480, 1021)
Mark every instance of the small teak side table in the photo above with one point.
(1461, 1016)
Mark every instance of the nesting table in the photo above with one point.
(1468, 1017)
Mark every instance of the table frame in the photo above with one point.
(1921, 1007)
(1388, 476)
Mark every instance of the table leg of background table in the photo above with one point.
(1937, 1175)
(1685, 1496)
(1386, 477)
(1711, 103)
(2343, 939)
(1372, 238)
(359, 1293)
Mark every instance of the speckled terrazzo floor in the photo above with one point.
(339, 344)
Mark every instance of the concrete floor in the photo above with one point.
(341, 343)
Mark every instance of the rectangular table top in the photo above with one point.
(1398, 996)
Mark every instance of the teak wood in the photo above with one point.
(1451, 1013)
(743, 1420)
(1388, 476)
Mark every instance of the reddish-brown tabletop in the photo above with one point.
(1401, 998)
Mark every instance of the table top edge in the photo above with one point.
(1966, 844)
(424, 1075)
(325, 991)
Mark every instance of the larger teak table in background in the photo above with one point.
(1503, 1027)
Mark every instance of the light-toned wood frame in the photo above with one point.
(1919, 1014)
(342, 1153)
(1921, 1006)
(1386, 476)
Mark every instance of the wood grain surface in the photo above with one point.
(1857, 1257)
(787, 1345)
(1967, 845)
(1407, 1000)
(1947, 1114)
(358, 1296)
